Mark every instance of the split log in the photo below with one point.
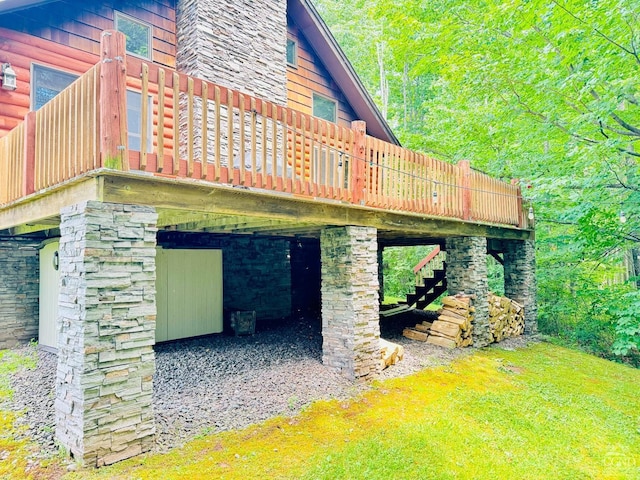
(449, 329)
(441, 341)
(390, 352)
(415, 335)
(422, 328)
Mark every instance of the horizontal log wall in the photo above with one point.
(310, 76)
(66, 36)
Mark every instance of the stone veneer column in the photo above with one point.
(350, 318)
(19, 291)
(520, 279)
(467, 273)
(381, 273)
(107, 311)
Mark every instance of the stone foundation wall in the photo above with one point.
(467, 273)
(107, 312)
(19, 291)
(257, 276)
(350, 317)
(256, 271)
(520, 279)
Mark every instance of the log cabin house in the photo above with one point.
(163, 161)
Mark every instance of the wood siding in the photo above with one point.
(66, 36)
(310, 76)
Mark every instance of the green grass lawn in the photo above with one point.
(543, 412)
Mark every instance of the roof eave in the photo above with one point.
(8, 6)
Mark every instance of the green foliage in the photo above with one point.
(397, 264)
(627, 327)
(546, 91)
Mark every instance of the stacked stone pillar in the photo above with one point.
(350, 312)
(19, 290)
(467, 273)
(107, 313)
(520, 279)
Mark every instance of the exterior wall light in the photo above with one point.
(9, 77)
(531, 216)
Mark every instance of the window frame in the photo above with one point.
(293, 42)
(324, 98)
(117, 15)
(137, 135)
(33, 84)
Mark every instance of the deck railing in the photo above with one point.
(186, 127)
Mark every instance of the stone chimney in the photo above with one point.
(239, 44)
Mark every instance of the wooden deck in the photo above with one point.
(207, 156)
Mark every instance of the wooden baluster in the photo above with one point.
(265, 126)
(230, 141)
(144, 116)
(275, 158)
(176, 123)
(161, 101)
(218, 135)
(190, 125)
(242, 139)
(204, 130)
(254, 142)
(303, 153)
(286, 184)
(29, 154)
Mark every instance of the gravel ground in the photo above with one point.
(222, 382)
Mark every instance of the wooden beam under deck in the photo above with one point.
(198, 206)
(40, 211)
(174, 195)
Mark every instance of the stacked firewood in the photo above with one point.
(506, 318)
(390, 353)
(453, 326)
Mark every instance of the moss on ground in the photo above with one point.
(540, 412)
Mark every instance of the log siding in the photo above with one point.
(309, 76)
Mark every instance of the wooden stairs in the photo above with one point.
(431, 280)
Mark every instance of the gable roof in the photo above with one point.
(335, 61)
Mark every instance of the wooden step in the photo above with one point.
(431, 296)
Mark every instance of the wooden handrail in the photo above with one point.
(428, 265)
(426, 259)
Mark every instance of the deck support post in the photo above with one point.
(465, 169)
(114, 146)
(107, 319)
(350, 311)
(520, 279)
(358, 164)
(467, 273)
(29, 153)
(19, 292)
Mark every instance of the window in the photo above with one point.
(134, 121)
(292, 52)
(47, 83)
(324, 108)
(138, 35)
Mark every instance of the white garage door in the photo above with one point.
(188, 293)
